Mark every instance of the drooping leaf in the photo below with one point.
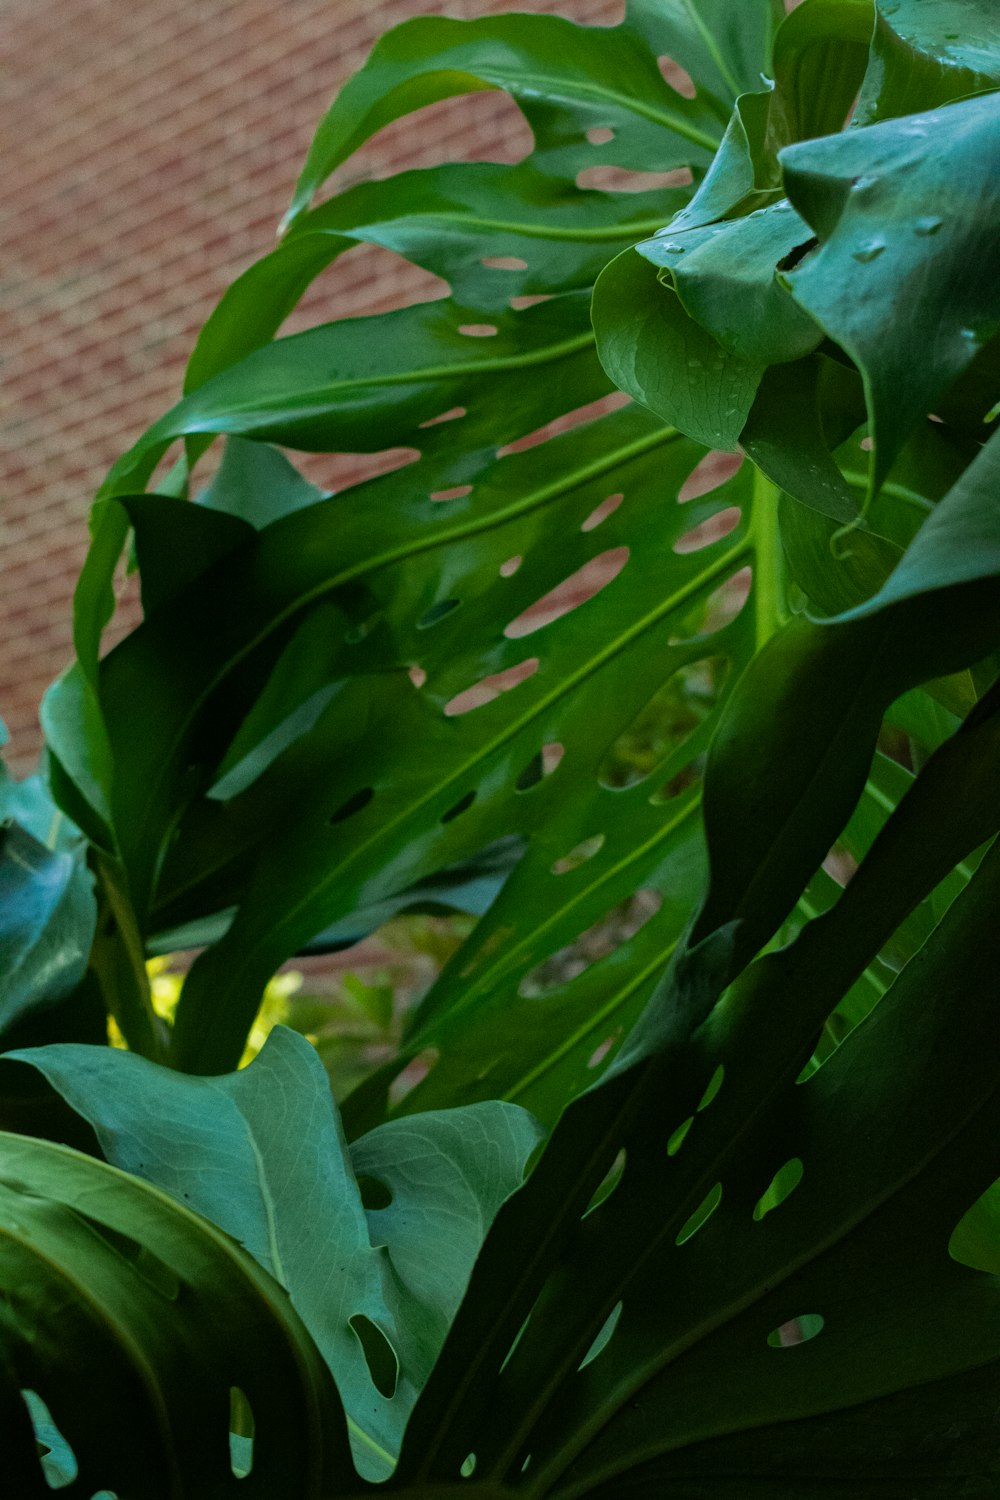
(132, 1319)
(906, 213)
(261, 1153)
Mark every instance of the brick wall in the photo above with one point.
(150, 149)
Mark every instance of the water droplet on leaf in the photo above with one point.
(869, 251)
(928, 224)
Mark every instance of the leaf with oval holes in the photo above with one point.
(261, 1153)
(127, 1321)
(718, 1285)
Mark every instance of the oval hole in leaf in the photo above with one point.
(601, 1053)
(840, 865)
(671, 716)
(415, 1072)
(528, 299)
(457, 492)
(380, 1356)
(709, 473)
(417, 676)
(504, 263)
(600, 135)
(782, 1185)
(578, 856)
(570, 419)
(374, 1193)
(478, 330)
(437, 612)
(241, 1433)
(602, 512)
(679, 78)
(608, 179)
(706, 1208)
(679, 1136)
(539, 766)
(975, 1240)
(355, 803)
(603, 1336)
(711, 530)
(725, 602)
(468, 1466)
(510, 567)
(610, 1182)
(451, 415)
(575, 590)
(616, 928)
(462, 805)
(688, 776)
(714, 1085)
(491, 687)
(57, 1458)
(796, 1331)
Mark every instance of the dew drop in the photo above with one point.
(673, 248)
(862, 184)
(928, 224)
(871, 250)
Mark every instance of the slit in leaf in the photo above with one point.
(708, 531)
(542, 764)
(603, 1336)
(602, 512)
(796, 1331)
(355, 803)
(241, 1433)
(437, 612)
(489, 688)
(706, 1208)
(579, 855)
(574, 591)
(57, 1458)
(678, 78)
(609, 179)
(380, 1356)
(462, 805)
(709, 473)
(374, 1193)
(782, 1185)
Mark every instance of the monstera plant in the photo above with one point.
(670, 653)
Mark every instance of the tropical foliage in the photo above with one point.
(680, 1181)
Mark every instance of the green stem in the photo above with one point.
(770, 606)
(118, 960)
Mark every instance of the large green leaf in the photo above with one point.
(906, 212)
(929, 52)
(133, 1321)
(598, 77)
(261, 1153)
(748, 1051)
